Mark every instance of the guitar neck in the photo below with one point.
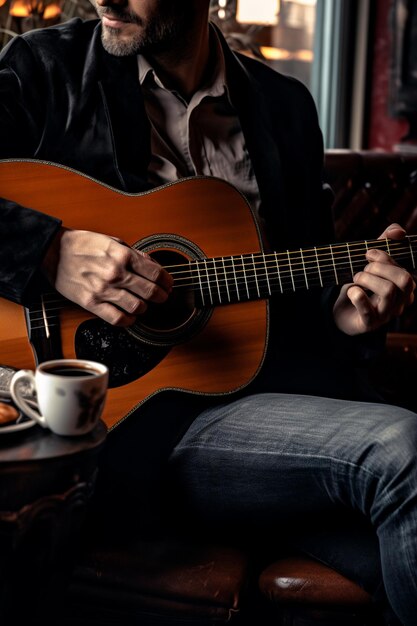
(231, 279)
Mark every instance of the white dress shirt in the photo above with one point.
(199, 137)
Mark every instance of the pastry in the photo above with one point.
(8, 413)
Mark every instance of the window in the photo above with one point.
(323, 43)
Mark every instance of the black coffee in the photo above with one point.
(69, 370)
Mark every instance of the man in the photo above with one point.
(148, 95)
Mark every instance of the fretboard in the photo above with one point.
(238, 278)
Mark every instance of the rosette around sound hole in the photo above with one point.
(180, 317)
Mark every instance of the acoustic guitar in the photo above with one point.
(210, 337)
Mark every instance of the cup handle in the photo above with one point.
(29, 376)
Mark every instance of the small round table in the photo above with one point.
(46, 482)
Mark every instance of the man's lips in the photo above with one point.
(114, 21)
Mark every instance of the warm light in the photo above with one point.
(20, 8)
(258, 11)
(308, 3)
(2, 2)
(51, 11)
(281, 54)
(304, 55)
(25, 8)
(275, 54)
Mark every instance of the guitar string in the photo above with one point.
(281, 273)
(246, 266)
(273, 259)
(310, 264)
(344, 268)
(336, 249)
(248, 290)
(252, 295)
(275, 285)
(304, 264)
(341, 266)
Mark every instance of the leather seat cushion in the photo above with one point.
(164, 577)
(307, 582)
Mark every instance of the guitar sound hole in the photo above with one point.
(178, 319)
(179, 307)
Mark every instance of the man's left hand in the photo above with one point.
(378, 293)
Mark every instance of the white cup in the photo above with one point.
(70, 394)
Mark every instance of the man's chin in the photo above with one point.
(115, 45)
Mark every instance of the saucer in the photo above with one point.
(13, 428)
(22, 422)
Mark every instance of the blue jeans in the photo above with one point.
(278, 459)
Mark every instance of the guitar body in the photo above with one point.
(191, 219)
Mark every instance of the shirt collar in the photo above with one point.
(215, 86)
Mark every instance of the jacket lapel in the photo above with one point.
(247, 98)
(118, 82)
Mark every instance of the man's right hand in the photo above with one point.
(105, 276)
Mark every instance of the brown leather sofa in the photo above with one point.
(179, 581)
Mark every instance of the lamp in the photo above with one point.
(38, 9)
(19, 16)
(254, 12)
(264, 13)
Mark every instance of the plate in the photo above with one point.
(13, 428)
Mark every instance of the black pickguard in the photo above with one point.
(127, 358)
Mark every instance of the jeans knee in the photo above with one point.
(396, 442)
(391, 465)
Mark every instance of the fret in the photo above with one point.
(311, 268)
(359, 259)
(208, 281)
(266, 274)
(350, 260)
(217, 288)
(326, 266)
(318, 267)
(290, 266)
(226, 279)
(244, 276)
(334, 265)
(235, 279)
(252, 276)
(388, 248)
(217, 280)
(279, 273)
(304, 268)
(256, 276)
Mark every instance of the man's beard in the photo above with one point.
(159, 35)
